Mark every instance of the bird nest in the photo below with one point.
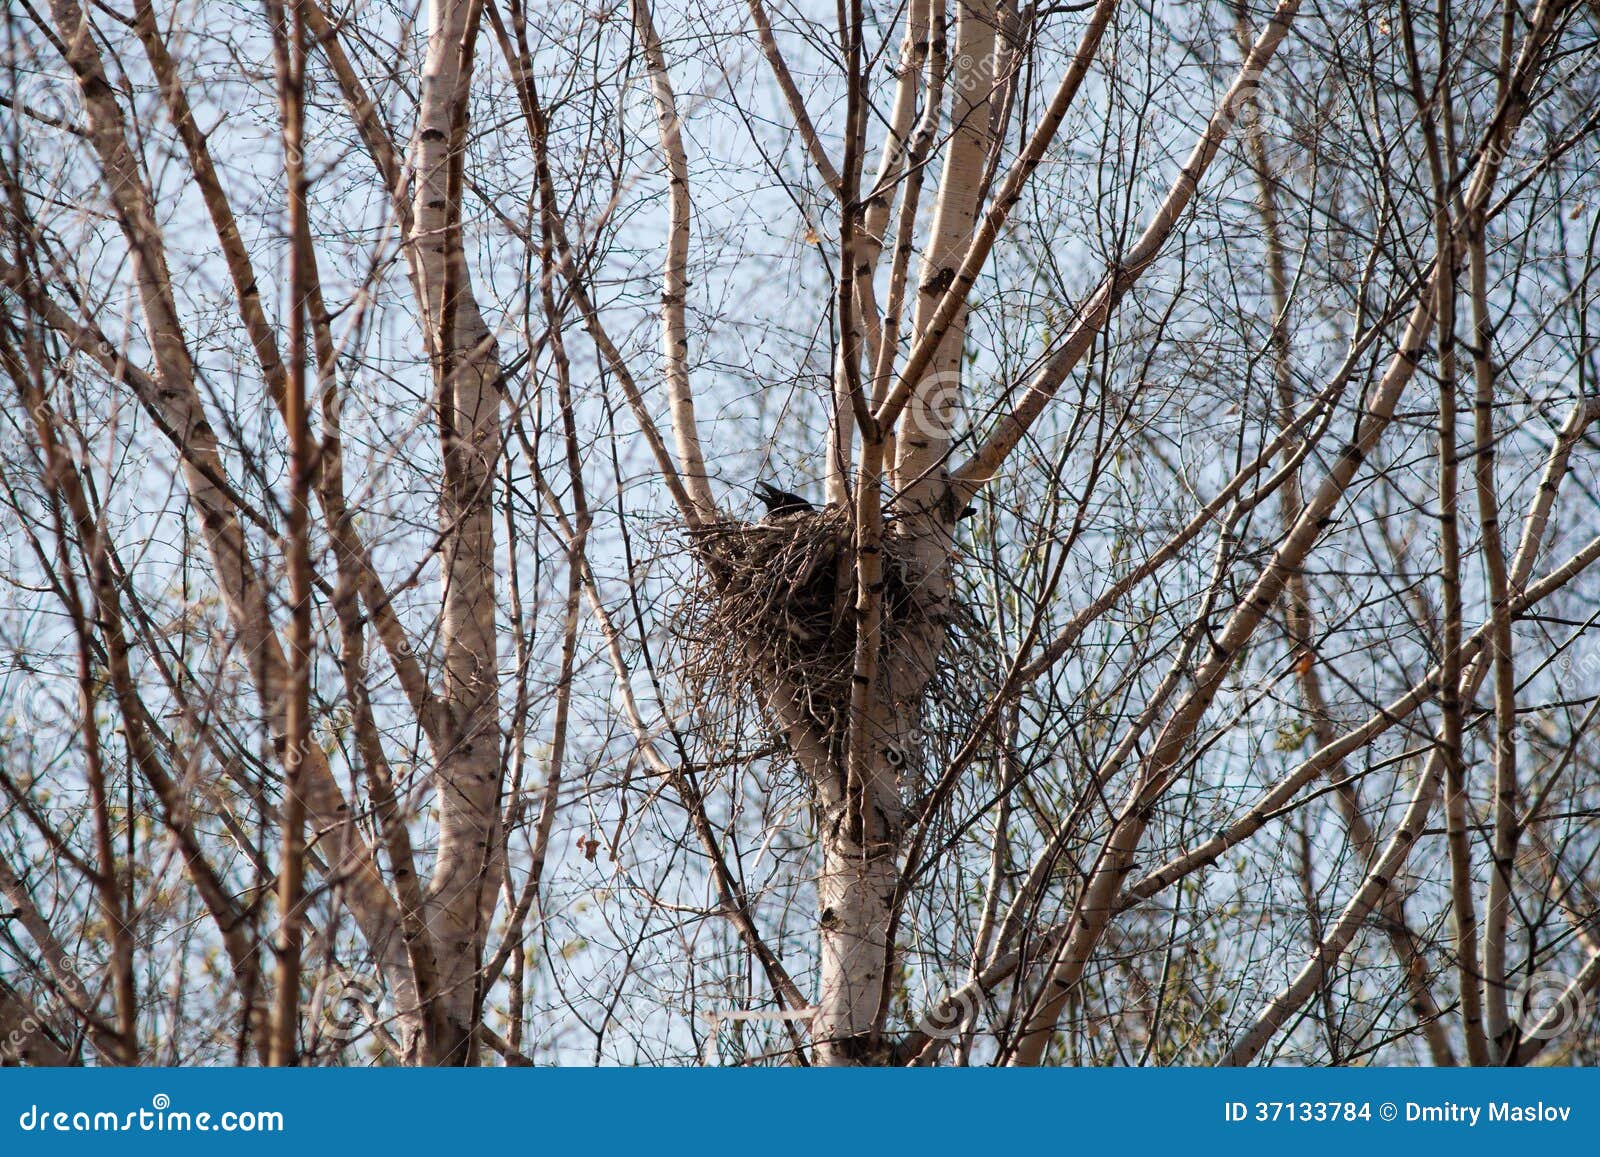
(775, 600)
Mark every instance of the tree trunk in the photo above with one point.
(855, 899)
(465, 884)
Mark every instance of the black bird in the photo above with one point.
(781, 501)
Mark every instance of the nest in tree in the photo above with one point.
(775, 599)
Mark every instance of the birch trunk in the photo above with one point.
(862, 848)
(855, 897)
(464, 887)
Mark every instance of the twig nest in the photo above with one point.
(776, 598)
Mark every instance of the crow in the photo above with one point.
(781, 501)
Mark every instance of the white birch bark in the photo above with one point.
(860, 868)
(465, 884)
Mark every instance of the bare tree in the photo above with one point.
(1168, 639)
